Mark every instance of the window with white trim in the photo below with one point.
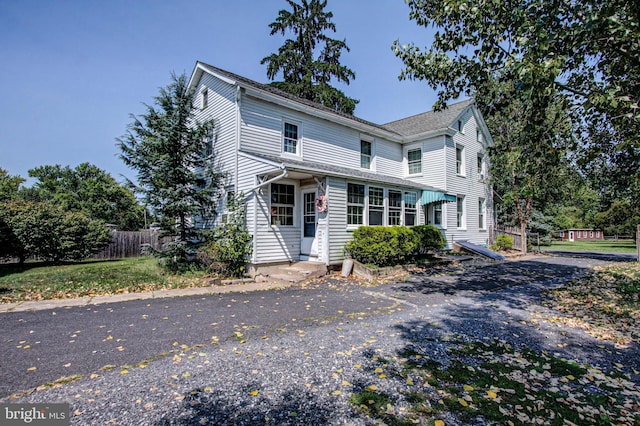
(395, 207)
(282, 204)
(204, 97)
(366, 153)
(376, 206)
(291, 139)
(355, 204)
(437, 214)
(460, 160)
(480, 165)
(460, 212)
(481, 213)
(209, 141)
(414, 161)
(410, 208)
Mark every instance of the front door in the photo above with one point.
(571, 237)
(309, 245)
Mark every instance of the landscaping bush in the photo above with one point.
(382, 245)
(45, 231)
(503, 243)
(430, 238)
(228, 246)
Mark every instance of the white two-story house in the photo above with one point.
(311, 175)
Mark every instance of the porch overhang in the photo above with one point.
(429, 196)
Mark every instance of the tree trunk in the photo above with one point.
(523, 236)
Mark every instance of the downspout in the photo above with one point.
(238, 131)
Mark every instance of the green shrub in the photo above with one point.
(382, 245)
(228, 246)
(45, 231)
(503, 242)
(430, 238)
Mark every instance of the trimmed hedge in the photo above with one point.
(382, 245)
(430, 237)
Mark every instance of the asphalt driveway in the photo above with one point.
(279, 356)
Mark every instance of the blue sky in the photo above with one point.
(73, 71)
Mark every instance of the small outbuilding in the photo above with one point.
(582, 234)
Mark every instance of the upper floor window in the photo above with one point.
(291, 143)
(355, 204)
(480, 163)
(414, 160)
(365, 154)
(282, 204)
(460, 126)
(460, 160)
(204, 98)
(209, 140)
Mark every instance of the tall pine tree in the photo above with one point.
(178, 180)
(311, 59)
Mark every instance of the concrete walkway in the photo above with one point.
(39, 305)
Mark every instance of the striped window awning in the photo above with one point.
(432, 197)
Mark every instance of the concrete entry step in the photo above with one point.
(291, 273)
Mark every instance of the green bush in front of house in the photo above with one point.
(503, 243)
(430, 237)
(382, 245)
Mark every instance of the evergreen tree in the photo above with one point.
(311, 59)
(167, 147)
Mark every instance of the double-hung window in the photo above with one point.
(376, 206)
(366, 153)
(395, 207)
(291, 141)
(481, 213)
(460, 211)
(355, 204)
(410, 208)
(460, 160)
(282, 204)
(437, 214)
(480, 165)
(204, 98)
(414, 161)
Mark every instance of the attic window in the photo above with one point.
(204, 97)
(460, 126)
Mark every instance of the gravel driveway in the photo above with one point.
(305, 375)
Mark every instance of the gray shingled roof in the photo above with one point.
(428, 121)
(410, 126)
(265, 87)
(331, 170)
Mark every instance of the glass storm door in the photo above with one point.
(309, 246)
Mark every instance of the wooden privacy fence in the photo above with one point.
(130, 244)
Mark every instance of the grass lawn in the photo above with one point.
(607, 246)
(39, 281)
